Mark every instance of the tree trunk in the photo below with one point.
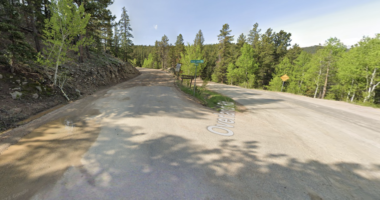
(35, 33)
(371, 87)
(81, 54)
(326, 80)
(316, 89)
(87, 52)
(46, 9)
(349, 92)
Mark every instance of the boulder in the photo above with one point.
(78, 91)
(16, 95)
(39, 88)
(35, 96)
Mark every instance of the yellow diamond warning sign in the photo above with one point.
(284, 77)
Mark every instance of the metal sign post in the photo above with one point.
(284, 78)
(196, 62)
(195, 77)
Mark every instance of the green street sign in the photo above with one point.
(196, 61)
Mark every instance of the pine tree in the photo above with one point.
(157, 55)
(116, 41)
(100, 16)
(164, 47)
(199, 40)
(125, 35)
(254, 35)
(179, 47)
(17, 49)
(225, 40)
(241, 41)
(265, 48)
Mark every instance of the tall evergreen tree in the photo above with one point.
(116, 40)
(265, 48)
(164, 47)
(13, 43)
(199, 40)
(100, 16)
(179, 47)
(254, 35)
(242, 39)
(125, 35)
(225, 39)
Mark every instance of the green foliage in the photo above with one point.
(17, 49)
(207, 97)
(275, 84)
(247, 64)
(192, 53)
(260, 59)
(61, 29)
(149, 62)
(225, 40)
(199, 40)
(125, 36)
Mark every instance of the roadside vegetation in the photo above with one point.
(258, 60)
(54, 51)
(207, 98)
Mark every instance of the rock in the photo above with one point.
(35, 96)
(17, 88)
(15, 111)
(1, 76)
(24, 83)
(18, 81)
(39, 88)
(78, 91)
(10, 76)
(16, 95)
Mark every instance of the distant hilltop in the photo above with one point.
(312, 49)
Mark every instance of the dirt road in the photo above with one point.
(143, 139)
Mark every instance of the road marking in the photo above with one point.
(226, 117)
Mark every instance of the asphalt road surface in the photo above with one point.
(144, 139)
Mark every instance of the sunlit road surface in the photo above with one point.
(143, 139)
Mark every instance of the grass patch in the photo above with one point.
(206, 97)
(367, 104)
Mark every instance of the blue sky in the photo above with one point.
(310, 22)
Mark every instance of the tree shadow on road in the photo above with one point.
(127, 164)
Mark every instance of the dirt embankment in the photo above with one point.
(26, 92)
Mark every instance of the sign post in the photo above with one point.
(178, 69)
(284, 78)
(196, 62)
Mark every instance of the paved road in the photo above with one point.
(143, 139)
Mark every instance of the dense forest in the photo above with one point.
(43, 35)
(259, 59)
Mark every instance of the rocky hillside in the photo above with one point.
(28, 90)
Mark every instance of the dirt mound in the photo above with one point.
(27, 92)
